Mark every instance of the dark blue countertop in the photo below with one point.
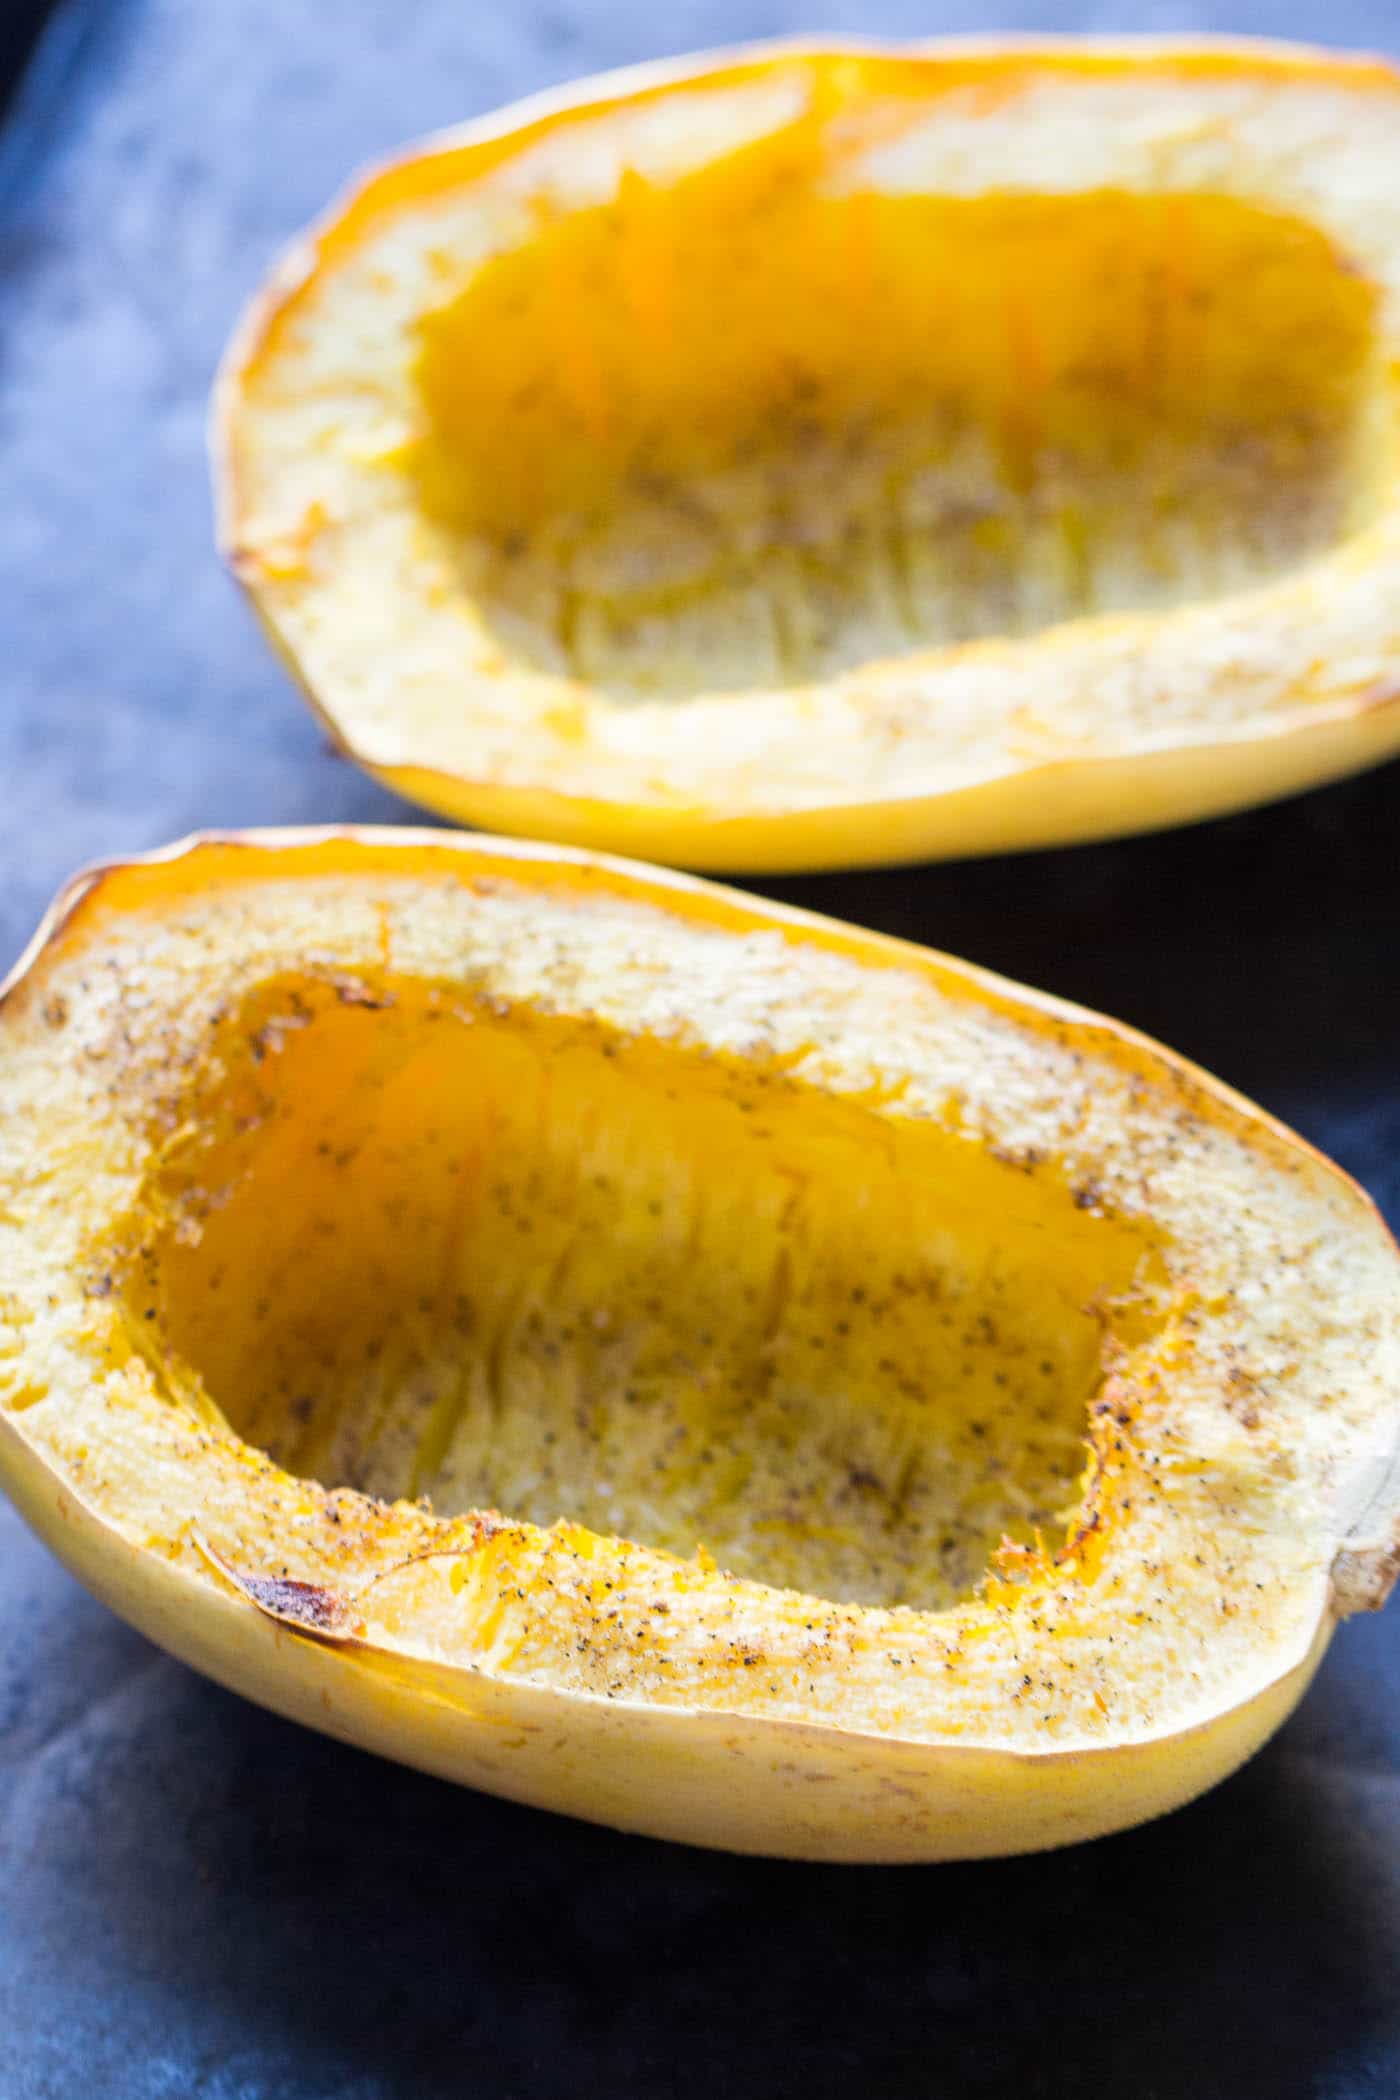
(197, 1899)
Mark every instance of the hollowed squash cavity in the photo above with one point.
(509, 1264)
(746, 429)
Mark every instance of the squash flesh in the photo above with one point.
(1094, 528)
(421, 1251)
(192, 1029)
(754, 428)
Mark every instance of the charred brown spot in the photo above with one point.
(1083, 1532)
(308, 1607)
(303, 1604)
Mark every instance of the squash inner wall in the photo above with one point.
(508, 1261)
(760, 426)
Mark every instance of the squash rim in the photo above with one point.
(699, 891)
(156, 1572)
(824, 928)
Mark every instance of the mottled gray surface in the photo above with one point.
(196, 1899)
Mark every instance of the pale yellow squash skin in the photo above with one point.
(289, 1119)
(823, 455)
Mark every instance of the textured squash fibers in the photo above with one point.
(746, 429)
(515, 1265)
